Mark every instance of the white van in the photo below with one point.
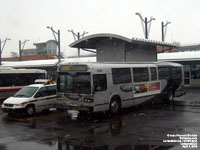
(31, 99)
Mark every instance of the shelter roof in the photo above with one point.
(91, 41)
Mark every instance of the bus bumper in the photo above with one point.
(74, 107)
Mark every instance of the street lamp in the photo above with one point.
(58, 41)
(145, 22)
(21, 48)
(1, 48)
(164, 29)
(77, 37)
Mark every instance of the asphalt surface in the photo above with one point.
(147, 127)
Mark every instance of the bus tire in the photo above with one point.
(170, 96)
(30, 110)
(115, 106)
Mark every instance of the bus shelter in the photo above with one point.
(116, 48)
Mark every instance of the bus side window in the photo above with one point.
(176, 73)
(121, 75)
(140, 74)
(100, 82)
(153, 73)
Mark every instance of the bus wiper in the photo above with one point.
(78, 92)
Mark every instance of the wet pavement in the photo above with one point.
(191, 98)
(147, 127)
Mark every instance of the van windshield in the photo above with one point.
(26, 92)
(74, 83)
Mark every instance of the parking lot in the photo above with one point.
(147, 127)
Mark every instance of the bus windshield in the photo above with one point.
(74, 83)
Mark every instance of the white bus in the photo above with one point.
(109, 87)
(12, 80)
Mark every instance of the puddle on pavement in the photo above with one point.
(102, 125)
(77, 144)
(29, 146)
(73, 114)
(24, 118)
(91, 144)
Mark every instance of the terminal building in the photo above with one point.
(43, 50)
(116, 48)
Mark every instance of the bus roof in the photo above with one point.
(12, 70)
(45, 63)
(121, 65)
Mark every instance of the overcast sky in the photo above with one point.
(27, 19)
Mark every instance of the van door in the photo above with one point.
(52, 97)
(41, 101)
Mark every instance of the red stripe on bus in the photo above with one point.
(10, 90)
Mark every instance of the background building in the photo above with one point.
(42, 48)
(195, 47)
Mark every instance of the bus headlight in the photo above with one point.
(60, 96)
(88, 100)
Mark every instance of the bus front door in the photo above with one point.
(100, 92)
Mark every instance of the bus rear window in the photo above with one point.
(164, 73)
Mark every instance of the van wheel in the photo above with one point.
(30, 110)
(115, 106)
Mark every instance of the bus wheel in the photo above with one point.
(170, 96)
(115, 106)
(30, 110)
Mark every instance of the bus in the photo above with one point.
(110, 87)
(12, 80)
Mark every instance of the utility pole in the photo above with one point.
(58, 41)
(164, 29)
(77, 37)
(144, 23)
(21, 48)
(1, 48)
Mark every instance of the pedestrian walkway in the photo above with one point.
(191, 98)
